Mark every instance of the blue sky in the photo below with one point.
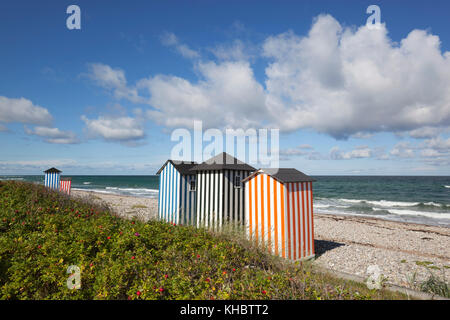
(105, 99)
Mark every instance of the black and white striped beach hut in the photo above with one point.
(220, 191)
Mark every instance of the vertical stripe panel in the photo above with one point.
(275, 214)
(303, 219)
(308, 247)
(312, 218)
(299, 221)
(221, 195)
(269, 210)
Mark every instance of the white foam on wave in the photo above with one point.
(448, 187)
(433, 215)
(138, 190)
(383, 203)
(86, 182)
(431, 203)
(320, 205)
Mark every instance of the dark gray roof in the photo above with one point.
(223, 161)
(181, 166)
(51, 170)
(284, 175)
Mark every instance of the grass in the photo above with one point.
(42, 233)
(433, 284)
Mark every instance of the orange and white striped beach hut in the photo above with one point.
(279, 212)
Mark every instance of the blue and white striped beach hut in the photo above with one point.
(52, 178)
(177, 192)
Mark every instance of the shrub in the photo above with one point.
(43, 232)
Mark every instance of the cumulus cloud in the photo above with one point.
(425, 132)
(438, 143)
(236, 51)
(403, 149)
(23, 111)
(300, 150)
(434, 151)
(120, 129)
(53, 135)
(227, 95)
(335, 153)
(113, 79)
(342, 81)
(169, 39)
(357, 153)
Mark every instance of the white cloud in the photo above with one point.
(23, 111)
(53, 135)
(301, 150)
(438, 143)
(362, 135)
(113, 80)
(358, 153)
(227, 95)
(429, 153)
(122, 129)
(342, 81)
(425, 132)
(293, 152)
(169, 39)
(45, 164)
(336, 80)
(236, 51)
(403, 149)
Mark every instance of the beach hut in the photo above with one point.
(177, 192)
(65, 185)
(52, 178)
(220, 192)
(279, 212)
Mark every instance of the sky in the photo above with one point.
(347, 99)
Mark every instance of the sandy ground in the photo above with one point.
(346, 243)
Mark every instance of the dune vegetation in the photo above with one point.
(43, 232)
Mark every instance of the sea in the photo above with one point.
(423, 200)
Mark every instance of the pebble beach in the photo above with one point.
(404, 252)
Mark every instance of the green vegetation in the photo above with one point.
(42, 233)
(433, 284)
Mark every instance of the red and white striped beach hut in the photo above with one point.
(65, 185)
(279, 212)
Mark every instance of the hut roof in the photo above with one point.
(181, 166)
(283, 175)
(222, 161)
(51, 170)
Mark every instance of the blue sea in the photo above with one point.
(424, 200)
